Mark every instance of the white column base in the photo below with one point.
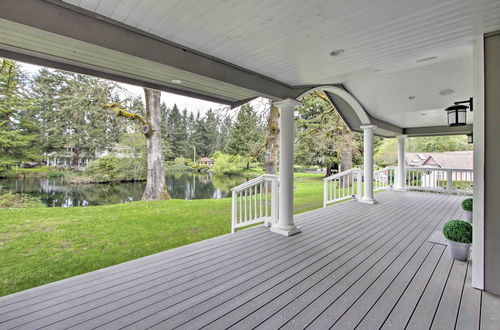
(285, 230)
(368, 200)
(400, 189)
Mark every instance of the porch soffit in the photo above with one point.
(111, 40)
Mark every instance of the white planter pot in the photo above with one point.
(458, 251)
(468, 216)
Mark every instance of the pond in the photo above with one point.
(55, 193)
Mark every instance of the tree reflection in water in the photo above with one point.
(55, 193)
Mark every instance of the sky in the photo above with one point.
(170, 99)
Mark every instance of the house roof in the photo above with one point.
(206, 159)
(450, 159)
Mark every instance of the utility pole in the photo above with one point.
(194, 154)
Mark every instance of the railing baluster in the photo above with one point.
(255, 202)
(266, 185)
(334, 182)
(240, 201)
(245, 207)
(260, 200)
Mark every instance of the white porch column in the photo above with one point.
(401, 178)
(285, 225)
(368, 163)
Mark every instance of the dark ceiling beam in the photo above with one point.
(58, 17)
(438, 130)
(101, 73)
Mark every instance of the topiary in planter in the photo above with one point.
(467, 204)
(458, 231)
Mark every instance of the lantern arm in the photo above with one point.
(469, 101)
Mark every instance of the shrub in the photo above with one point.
(181, 161)
(11, 200)
(227, 164)
(467, 204)
(458, 231)
(110, 169)
(55, 174)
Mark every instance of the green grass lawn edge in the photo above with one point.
(43, 245)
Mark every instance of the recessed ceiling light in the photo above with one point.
(412, 97)
(337, 52)
(176, 81)
(426, 59)
(376, 70)
(423, 114)
(446, 91)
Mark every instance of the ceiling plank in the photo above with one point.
(72, 22)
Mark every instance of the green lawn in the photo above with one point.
(42, 245)
(34, 170)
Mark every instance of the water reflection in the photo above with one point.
(55, 193)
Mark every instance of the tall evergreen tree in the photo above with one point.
(245, 138)
(177, 135)
(225, 125)
(210, 134)
(197, 138)
(70, 112)
(17, 125)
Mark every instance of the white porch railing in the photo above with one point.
(341, 186)
(255, 201)
(440, 179)
(384, 178)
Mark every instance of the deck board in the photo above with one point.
(470, 305)
(353, 266)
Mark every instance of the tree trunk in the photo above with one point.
(346, 159)
(273, 131)
(76, 158)
(156, 188)
(329, 171)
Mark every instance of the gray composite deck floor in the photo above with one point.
(353, 266)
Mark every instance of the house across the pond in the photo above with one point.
(450, 159)
(206, 161)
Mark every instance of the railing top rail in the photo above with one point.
(440, 169)
(257, 180)
(385, 169)
(341, 174)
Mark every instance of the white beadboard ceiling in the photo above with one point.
(291, 41)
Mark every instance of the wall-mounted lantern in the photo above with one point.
(457, 113)
(470, 138)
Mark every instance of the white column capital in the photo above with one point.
(401, 136)
(368, 127)
(287, 104)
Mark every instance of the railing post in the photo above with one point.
(359, 175)
(274, 201)
(234, 211)
(325, 192)
(449, 180)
